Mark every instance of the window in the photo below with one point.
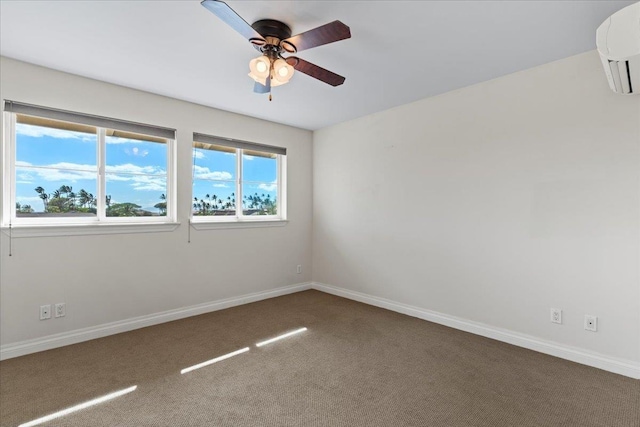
(237, 181)
(70, 168)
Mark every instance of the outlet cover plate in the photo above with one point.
(45, 312)
(590, 323)
(556, 315)
(60, 309)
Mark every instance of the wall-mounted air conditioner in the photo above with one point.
(618, 42)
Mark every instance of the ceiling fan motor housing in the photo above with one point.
(273, 31)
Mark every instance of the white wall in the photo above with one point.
(115, 277)
(493, 203)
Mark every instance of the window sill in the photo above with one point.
(20, 231)
(216, 225)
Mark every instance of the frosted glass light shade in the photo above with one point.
(260, 68)
(262, 81)
(282, 71)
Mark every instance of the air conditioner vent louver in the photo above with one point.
(620, 72)
(618, 42)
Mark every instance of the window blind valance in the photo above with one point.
(236, 143)
(88, 119)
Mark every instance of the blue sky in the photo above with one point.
(214, 173)
(136, 170)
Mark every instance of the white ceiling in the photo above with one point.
(400, 51)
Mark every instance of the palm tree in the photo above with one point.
(72, 199)
(83, 197)
(44, 196)
(200, 206)
(23, 208)
(162, 206)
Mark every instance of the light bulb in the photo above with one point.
(282, 71)
(259, 68)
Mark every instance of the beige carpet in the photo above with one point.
(356, 365)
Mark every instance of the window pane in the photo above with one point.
(259, 167)
(136, 174)
(214, 180)
(259, 183)
(259, 198)
(136, 195)
(47, 192)
(58, 145)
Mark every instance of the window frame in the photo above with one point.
(239, 219)
(9, 212)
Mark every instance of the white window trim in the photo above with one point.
(204, 222)
(100, 224)
(216, 225)
(21, 231)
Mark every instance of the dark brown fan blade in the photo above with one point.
(328, 33)
(231, 18)
(314, 71)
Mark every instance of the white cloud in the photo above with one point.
(135, 151)
(248, 157)
(150, 187)
(63, 171)
(142, 178)
(116, 140)
(198, 154)
(220, 185)
(24, 178)
(149, 183)
(29, 200)
(39, 132)
(201, 172)
(273, 186)
(131, 168)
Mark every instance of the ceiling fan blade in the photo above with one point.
(328, 33)
(231, 18)
(314, 71)
(260, 88)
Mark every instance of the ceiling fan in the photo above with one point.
(273, 39)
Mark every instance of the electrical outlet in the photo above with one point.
(299, 269)
(590, 323)
(556, 315)
(60, 309)
(45, 312)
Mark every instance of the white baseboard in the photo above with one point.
(622, 367)
(79, 335)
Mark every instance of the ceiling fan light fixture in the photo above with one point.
(275, 82)
(261, 80)
(282, 72)
(260, 68)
